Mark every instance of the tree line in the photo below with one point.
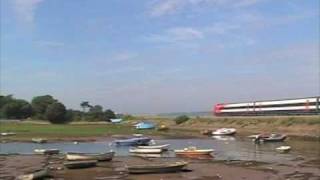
(48, 108)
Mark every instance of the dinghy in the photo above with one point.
(39, 140)
(193, 151)
(40, 174)
(136, 141)
(75, 156)
(164, 146)
(157, 168)
(47, 151)
(80, 164)
(145, 151)
(224, 131)
(270, 137)
(283, 149)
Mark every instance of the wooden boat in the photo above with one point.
(163, 147)
(35, 175)
(224, 131)
(75, 156)
(136, 141)
(163, 127)
(156, 168)
(145, 151)
(193, 151)
(80, 164)
(39, 140)
(7, 134)
(146, 155)
(270, 137)
(47, 151)
(283, 149)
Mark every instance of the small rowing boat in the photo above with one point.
(47, 151)
(136, 141)
(273, 137)
(145, 151)
(39, 140)
(156, 168)
(35, 175)
(283, 149)
(80, 164)
(224, 131)
(164, 146)
(75, 156)
(193, 151)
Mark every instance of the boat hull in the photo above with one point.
(80, 164)
(165, 168)
(145, 151)
(84, 156)
(133, 142)
(164, 146)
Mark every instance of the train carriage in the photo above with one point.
(301, 106)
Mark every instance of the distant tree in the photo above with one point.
(181, 119)
(5, 99)
(40, 104)
(84, 105)
(109, 114)
(19, 109)
(96, 109)
(56, 113)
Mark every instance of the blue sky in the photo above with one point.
(142, 56)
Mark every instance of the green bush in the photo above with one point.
(181, 119)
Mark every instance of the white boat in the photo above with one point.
(146, 151)
(224, 131)
(283, 149)
(193, 151)
(146, 155)
(164, 146)
(75, 156)
(47, 151)
(8, 134)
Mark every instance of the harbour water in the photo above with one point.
(229, 148)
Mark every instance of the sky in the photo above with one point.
(154, 56)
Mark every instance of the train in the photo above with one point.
(298, 106)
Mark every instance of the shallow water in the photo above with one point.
(226, 148)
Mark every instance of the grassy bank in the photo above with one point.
(82, 131)
(294, 126)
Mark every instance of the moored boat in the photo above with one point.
(146, 155)
(283, 149)
(39, 140)
(145, 125)
(156, 168)
(273, 137)
(224, 131)
(40, 174)
(75, 156)
(145, 151)
(193, 151)
(80, 164)
(7, 133)
(47, 151)
(163, 146)
(136, 141)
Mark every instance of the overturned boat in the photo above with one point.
(75, 156)
(157, 168)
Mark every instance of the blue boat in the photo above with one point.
(145, 125)
(133, 141)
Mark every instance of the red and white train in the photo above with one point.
(301, 106)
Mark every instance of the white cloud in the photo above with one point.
(176, 34)
(25, 10)
(165, 7)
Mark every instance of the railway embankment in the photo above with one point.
(294, 126)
